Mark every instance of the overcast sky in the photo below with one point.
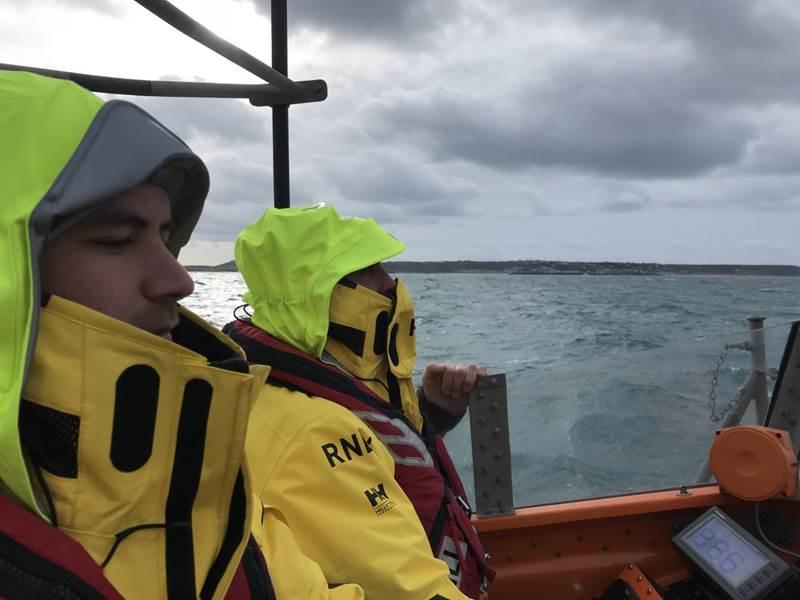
(635, 130)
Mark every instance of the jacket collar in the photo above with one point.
(139, 443)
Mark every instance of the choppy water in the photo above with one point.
(608, 376)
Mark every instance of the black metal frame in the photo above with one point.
(278, 92)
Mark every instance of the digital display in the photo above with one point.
(730, 555)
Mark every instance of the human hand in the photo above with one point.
(448, 385)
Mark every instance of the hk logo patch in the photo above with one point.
(379, 499)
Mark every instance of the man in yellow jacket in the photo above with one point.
(340, 441)
(122, 416)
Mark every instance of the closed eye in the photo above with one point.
(114, 244)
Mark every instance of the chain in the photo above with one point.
(712, 393)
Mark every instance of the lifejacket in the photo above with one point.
(37, 561)
(137, 444)
(423, 467)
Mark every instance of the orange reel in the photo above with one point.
(754, 463)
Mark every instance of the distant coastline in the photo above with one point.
(550, 267)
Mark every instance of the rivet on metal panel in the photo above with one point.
(558, 553)
(493, 380)
(484, 445)
(486, 494)
(482, 420)
(498, 480)
(649, 591)
(638, 578)
(481, 395)
(484, 470)
(495, 406)
(498, 455)
(496, 432)
(500, 504)
(630, 566)
(605, 547)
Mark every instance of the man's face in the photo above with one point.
(116, 261)
(374, 278)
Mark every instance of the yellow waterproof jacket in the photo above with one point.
(140, 442)
(326, 503)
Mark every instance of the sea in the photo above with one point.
(609, 377)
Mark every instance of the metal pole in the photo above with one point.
(759, 367)
(280, 114)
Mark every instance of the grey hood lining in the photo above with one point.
(123, 147)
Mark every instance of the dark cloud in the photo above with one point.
(564, 119)
(655, 90)
(740, 50)
(233, 121)
(625, 202)
(711, 24)
(583, 122)
(776, 151)
(377, 184)
(402, 187)
(374, 20)
(754, 193)
(240, 192)
(387, 179)
(772, 194)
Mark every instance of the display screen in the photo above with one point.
(726, 552)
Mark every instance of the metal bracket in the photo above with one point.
(491, 449)
(263, 94)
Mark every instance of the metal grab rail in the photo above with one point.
(178, 19)
(259, 94)
(278, 92)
